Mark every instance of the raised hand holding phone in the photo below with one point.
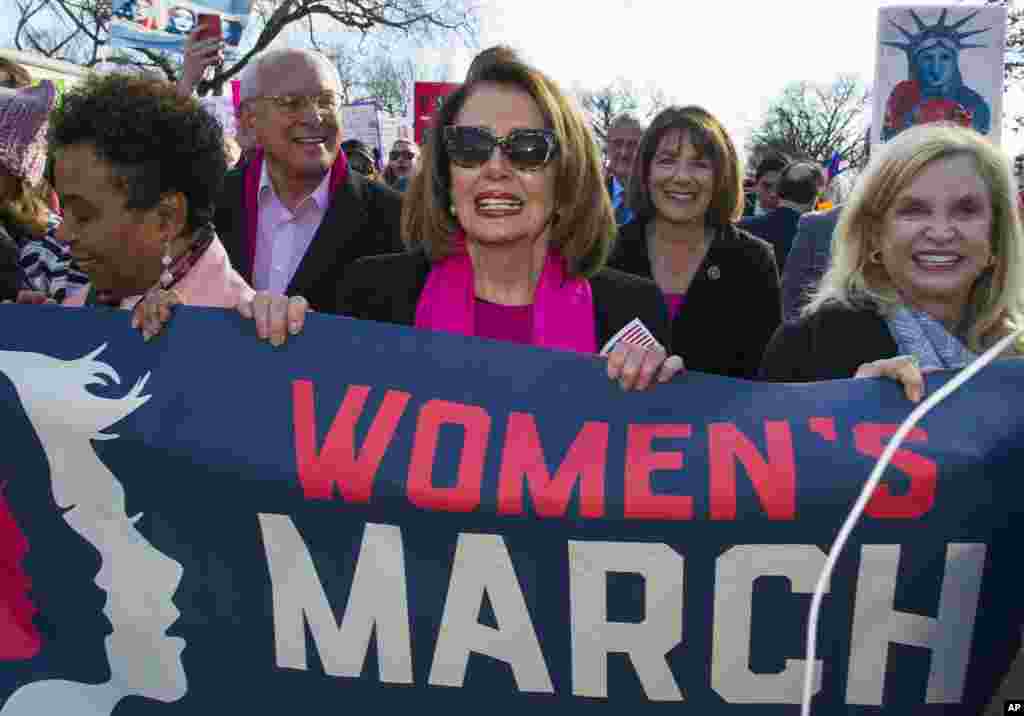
(204, 47)
(209, 27)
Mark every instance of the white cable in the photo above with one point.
(869, 488)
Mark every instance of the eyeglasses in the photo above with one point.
(327, 101)
(407, 156)
(527, 150)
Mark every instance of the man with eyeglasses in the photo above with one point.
(295, 214)
(624, 137)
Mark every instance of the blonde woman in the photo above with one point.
(926, 267)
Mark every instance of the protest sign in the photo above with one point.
(164, 24)
(428, 96)
(939, 63)
(377, 518)
(362, 121)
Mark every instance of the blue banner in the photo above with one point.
(375, 518)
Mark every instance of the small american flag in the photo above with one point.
(635, 333)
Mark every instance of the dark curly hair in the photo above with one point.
(156, 141)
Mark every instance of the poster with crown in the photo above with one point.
(939, 63)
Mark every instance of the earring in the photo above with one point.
(452, 209)
(875, 256)
(166, 278)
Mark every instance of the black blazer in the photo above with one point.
(732, 306)
(387, 289)
(829, 344)
(362, 220)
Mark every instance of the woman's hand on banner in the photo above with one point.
(905, 369)
(153, 311)
(636, 367)
(199, 54)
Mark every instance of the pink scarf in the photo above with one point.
(563, 307)
(251, 187)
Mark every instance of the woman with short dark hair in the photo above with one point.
(720, 284)
(138, 168)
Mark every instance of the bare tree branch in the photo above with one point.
(87, 25)
(813, 121)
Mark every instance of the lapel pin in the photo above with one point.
(714, 273)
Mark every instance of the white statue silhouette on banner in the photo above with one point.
(139, 580)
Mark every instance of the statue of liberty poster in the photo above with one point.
(937, 64)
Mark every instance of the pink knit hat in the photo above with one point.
(24, 119)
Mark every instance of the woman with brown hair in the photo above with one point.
(31, 256)
(720, 284)
(508, 226)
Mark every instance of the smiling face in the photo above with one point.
(403, 159)
(118, 248)
(937, 236)
(303, 143)
(495, 203)
(681, 180)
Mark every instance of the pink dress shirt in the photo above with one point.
(283, 236)
(212, 282)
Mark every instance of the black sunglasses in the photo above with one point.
(527, 150)
(408, 156)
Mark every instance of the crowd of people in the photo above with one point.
(507, 224)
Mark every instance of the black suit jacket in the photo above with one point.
(732, 306)
(777, 227)
(362, 219)
(830, 344)
(388, 288)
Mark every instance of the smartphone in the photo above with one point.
(210, 23)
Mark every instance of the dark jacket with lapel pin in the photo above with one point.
(388, 288)
(732, 306)
(362, 219)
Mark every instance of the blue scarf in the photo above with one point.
(916, 333)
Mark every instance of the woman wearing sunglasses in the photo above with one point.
(508, 226)
(720, 284)
(401, 164)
